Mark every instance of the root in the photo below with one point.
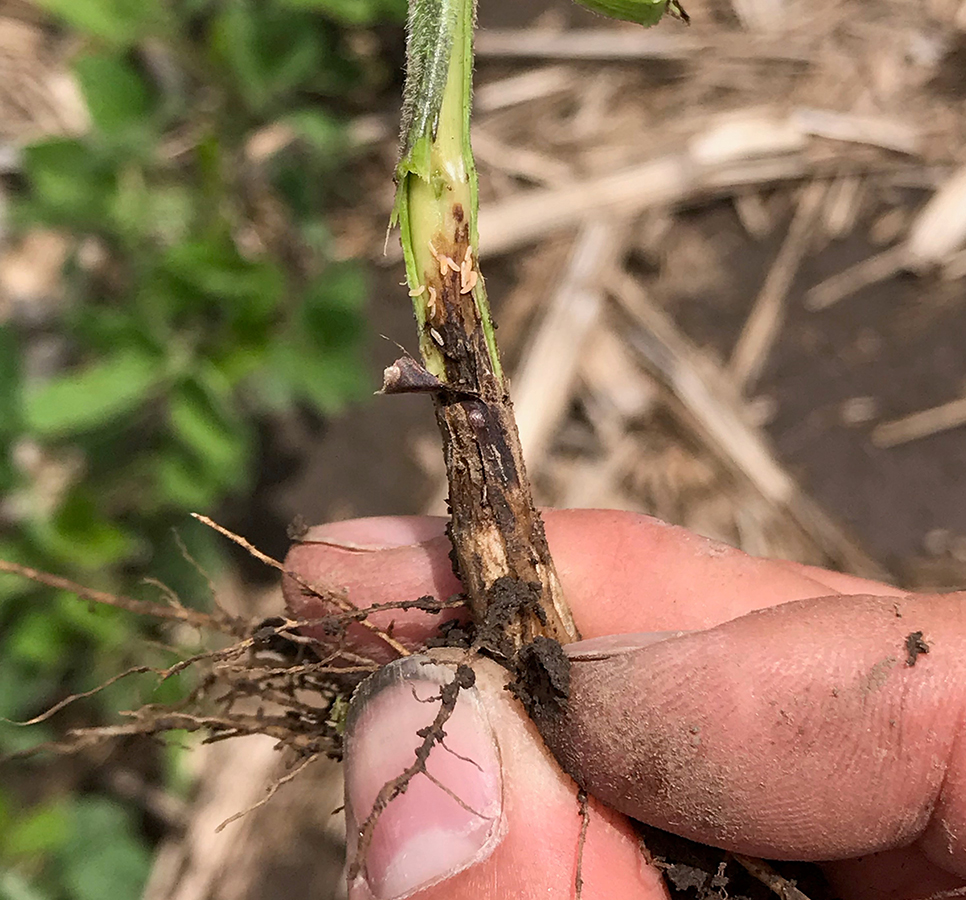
(432, 735)
(328, 596)
(197, 566)
(584, 806)
(778, 884)
(300, 683)
(221, 622)
(163, 675)
(270, 792)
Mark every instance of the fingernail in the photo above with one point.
(449, 817)
(615, 644)
(377, 533)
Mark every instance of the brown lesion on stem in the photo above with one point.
(500, 549)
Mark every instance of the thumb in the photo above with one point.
(489, 814)
(819, 729)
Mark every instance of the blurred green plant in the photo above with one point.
(200, 298)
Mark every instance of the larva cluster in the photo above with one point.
(469, 278)
(431, 300)
(467, 272)
(446, 263)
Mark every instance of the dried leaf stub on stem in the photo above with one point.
(500, 550)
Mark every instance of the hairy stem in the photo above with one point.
(500, 549)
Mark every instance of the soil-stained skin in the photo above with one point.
(822, 744)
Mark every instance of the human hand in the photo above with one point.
(796, 732)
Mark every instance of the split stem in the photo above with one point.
(501, 552)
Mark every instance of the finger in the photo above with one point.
(818, 729)
(843, 583)
(620, 572)
(892, 875)
(375, 560)
(629, 572)
(491, 816)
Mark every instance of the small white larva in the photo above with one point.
(468, 275)
(445, 262)
(471, 279)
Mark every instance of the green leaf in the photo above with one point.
(41, 830)
(643, 12)
(270, 51)
(272, 391)
(81, 535)
(70, 183)
(104, 858)
(218, 441)
(9, 385)
(320, 130)
(92, 396)
(330, 315)
(115, 21)
(327, 381)
(182, 483)
(38, 640)
(246, 292)
(207, 549)
(352, 12)
(176, 756)
(129, 209)
(117, 98)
